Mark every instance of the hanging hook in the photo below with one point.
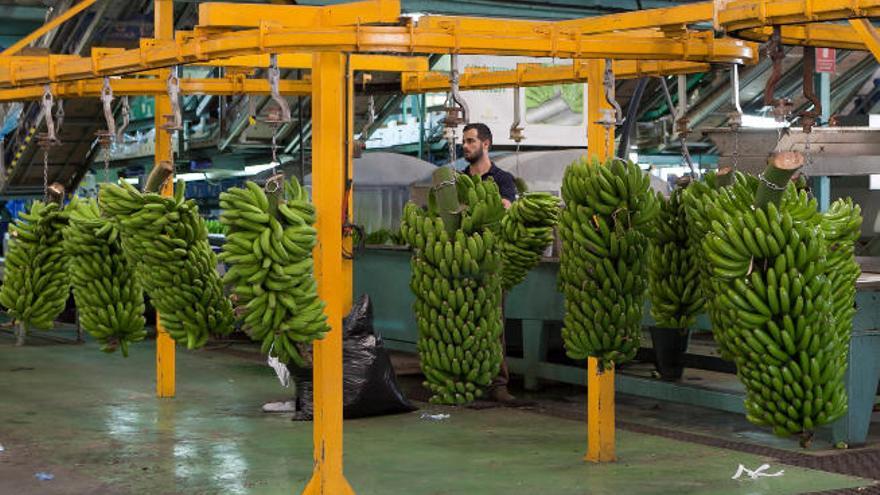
(50, 138)
(516, 132)
(456, 110)
(126, 118)
(280, 115)
(107, 103)
(781, 106)
(609, 83)
(173, 122)
(735, 116)
(809, 117)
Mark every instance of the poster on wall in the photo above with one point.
(551, 115)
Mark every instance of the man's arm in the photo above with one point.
(507, 188)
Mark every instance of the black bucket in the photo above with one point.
(670, 346)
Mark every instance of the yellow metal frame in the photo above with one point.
(539, 75)
(165, 347)
(201, 46)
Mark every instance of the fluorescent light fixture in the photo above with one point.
(132, 180)
(758, 122)
(874, 183)
(633, 157)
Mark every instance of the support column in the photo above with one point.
(822, 184)
(329, 154)
(600, 383)
(165, 350)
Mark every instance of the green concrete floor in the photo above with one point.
(92, 420)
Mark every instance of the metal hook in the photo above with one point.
(809, 117)
(107, 103)
(282, 114)
(609, 83)
(173, 122)
(781, 106)
(126, 118)
(48, 101)
(516, 132)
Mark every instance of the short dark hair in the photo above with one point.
(483, 132)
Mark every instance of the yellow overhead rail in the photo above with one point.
(199, 46)
(804, 22)
(539, 75)
(91, 88)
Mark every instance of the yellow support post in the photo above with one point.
(165, 350)
(600, 382)
(329, 149)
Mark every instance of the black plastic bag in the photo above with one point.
(369, 385)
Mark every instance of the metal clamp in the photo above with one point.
(809, 117)
(781, 106)
(609, 84)
(126, 118)
(107, 103)
(457, 111)
(280, 115)
(173, 122)
(50, 138)
(516, 131)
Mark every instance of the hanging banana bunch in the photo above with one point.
(609, 210)
(35, 282)
(109, 297)
(673, 269)
(167, 242)
(455, 278)
(776, 301)
(269, 250)
(526, 231)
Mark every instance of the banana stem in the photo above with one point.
(724, 177)
(55, 193)
(20, 332)
(446, 192)
(776, 176)
(158, 176)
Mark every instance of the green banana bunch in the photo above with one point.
(166, 241)
(841, 225)
(609, 210)
(269, 250)
(775, 296)
(109, 297)
(455, 278)
(35, 282)
(215, 227)
(673, 271)
(526, 231)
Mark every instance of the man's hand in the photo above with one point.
(506, 203)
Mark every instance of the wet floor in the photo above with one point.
(92, 421)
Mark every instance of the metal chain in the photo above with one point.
(735, 148)
(45, 173)
(274, 148)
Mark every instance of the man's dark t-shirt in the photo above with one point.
(504, 180)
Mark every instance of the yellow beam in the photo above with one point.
(642, 19)
(748, 14)
(45, 28)
(868, 34)
(165, 350)
(189, 48)
(820, 35)
(91, 88)
(539, 75)
(359, 62)
(329, 113)
(226, 15)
